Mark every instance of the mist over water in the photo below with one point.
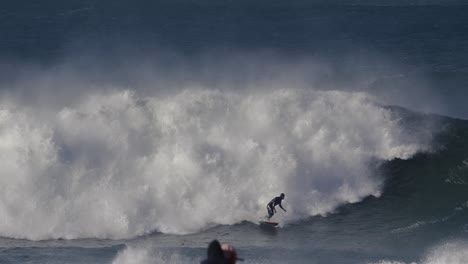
(118, 162)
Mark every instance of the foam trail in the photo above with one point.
(117, 165)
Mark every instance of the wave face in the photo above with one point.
(116, 164)
(429, 190)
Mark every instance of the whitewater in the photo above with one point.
(117, 165)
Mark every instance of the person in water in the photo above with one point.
(220, 254)
(271, 205)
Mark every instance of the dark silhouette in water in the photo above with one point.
(218, 254)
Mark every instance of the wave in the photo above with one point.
(147, 254)
(447, 252)
(450, 252)
(431, 186)
(117, 165)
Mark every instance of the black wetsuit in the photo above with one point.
(271, 206)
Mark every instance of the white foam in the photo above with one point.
(450, 252)
(118, 165)
(142, 255)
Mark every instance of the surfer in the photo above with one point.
(271, 205)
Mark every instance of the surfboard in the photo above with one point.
(266, 223)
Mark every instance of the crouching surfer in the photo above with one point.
(271, 205)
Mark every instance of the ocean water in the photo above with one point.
(138, 132)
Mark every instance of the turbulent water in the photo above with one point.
(139, 132)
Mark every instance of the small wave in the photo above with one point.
(456, 211)
(143, 255)
(74, 11)
(451, 252)
(409, 228)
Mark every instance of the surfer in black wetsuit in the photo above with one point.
(271, 205)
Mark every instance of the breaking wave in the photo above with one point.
(118, 164)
